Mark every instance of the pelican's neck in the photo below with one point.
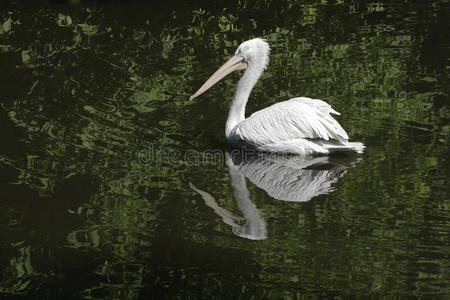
(243, 89)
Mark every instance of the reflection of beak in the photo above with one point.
(235, 63)
(227, 216)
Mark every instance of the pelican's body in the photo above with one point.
(301, 126)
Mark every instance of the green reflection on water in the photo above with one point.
(87, 88)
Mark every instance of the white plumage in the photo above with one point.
(301, 125)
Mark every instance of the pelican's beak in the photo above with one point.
(235, 63)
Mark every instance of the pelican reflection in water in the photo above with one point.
(301, 126)
(288, 178)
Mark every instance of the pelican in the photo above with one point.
(300, 125)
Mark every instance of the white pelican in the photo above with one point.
(300, 126)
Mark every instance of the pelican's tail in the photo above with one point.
(309, 147)
(333, 146)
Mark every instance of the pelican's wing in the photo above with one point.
(298, 118)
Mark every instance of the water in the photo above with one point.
(114, 185)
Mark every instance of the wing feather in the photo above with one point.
(296, 118)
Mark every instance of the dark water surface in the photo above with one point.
(113, 185)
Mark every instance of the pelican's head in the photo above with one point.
(253, 54)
